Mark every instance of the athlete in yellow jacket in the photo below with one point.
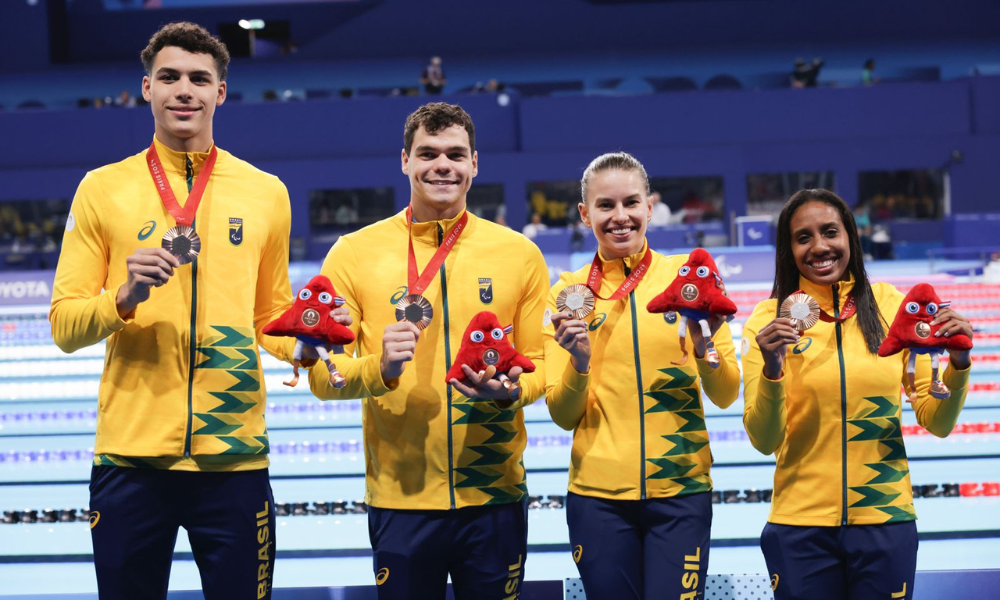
(182, 388)
(639, 507)
(444, 475)
(829, 408)
(181, 439)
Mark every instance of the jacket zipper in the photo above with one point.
(843, 404)
(447, 367)
(642, 406)
(193, 342)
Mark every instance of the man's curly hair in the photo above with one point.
(434, 117)
(190, 37)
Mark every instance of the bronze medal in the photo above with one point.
(923, 330)
(415, 309)
(689, 292)
(802, 309)
(491, 357)
(576, 299)
(183, 242)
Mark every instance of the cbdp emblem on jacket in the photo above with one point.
(485, 290)
(235, 231)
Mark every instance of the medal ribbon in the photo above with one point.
(183, 215)
(850, 307)
(418, 282)
(597, 275)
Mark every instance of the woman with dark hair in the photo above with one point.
(842, 519)
(639, 507)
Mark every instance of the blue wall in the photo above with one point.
(343, 144)
(366, 29)
(24, 36)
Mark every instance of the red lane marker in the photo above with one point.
(963, 428)
(970, 490)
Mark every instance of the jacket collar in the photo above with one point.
(823, 294)
(427, 231)
(176, 162)
(617, 265)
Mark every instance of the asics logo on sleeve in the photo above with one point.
(147, 230)
(382, 576)
(95, 516)
(577, 553)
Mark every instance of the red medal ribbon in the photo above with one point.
(183, 215)
(418, 282)
(850, 307)
(597, 275)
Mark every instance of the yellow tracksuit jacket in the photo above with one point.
(833, 419)
(643, 432)
(182, 386)
(426, 445)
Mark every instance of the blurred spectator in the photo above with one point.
(806, 74)
(661, 212)
(30, 232)
(99, 102)
(297, 250)
(346, 215)
(500, 219)
(868, 73)
(125, 100)
(991, 272)
(432, 78)
(490, 87)
(269, 96)
(864, 224)
(554, 211)
(904, 194)
(696, 209)
(578, 236)
(532, 229)
(881, 243)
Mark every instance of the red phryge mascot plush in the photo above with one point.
(310, 323)
(912, 329)
(487, 351)
(696, 293)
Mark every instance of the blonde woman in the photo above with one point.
(639, 506)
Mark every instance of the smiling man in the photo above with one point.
(445, 482)
(167, 256)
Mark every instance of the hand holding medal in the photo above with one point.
(797, 313)
(575, 299)
(802, 309)
(574, 303)
(183, 242)
(415, 309)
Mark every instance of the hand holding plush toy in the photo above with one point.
(912, 329)
(310, 322)
(486, 350)
(696, 293)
